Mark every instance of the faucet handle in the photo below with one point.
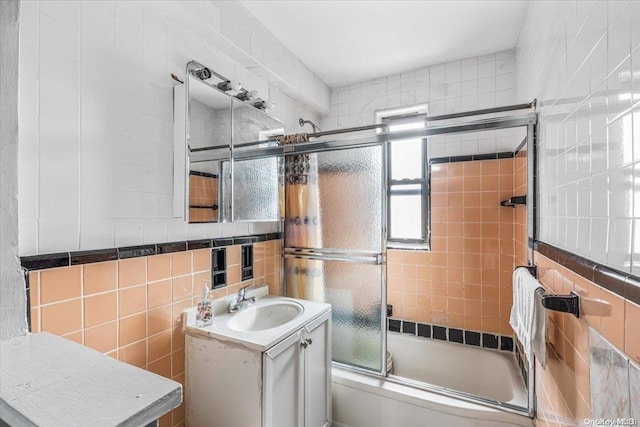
(243, 291)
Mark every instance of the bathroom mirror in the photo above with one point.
(255, 182)
(203, 119)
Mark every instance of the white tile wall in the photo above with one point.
(581, 60)
(474, 83)
(96, 130)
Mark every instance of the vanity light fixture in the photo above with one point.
(264, 104)
(199, 70)
(203, 73)
(247, 95)
(228, 85)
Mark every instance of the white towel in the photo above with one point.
(528, 316)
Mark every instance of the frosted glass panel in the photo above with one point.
(349, 199)
(255, 182)
(255, 192)
(354, 292)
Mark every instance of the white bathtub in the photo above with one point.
(361, 400)
(490, 374)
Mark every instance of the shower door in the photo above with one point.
(334, 246)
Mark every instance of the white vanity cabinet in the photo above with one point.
(277, 378)
(297, 378)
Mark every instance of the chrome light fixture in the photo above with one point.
(228, 85)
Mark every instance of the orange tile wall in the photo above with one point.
(465, 280)
(562, 389)
(203, 191)
(130, 309)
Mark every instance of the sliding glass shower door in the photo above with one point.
(334, 245)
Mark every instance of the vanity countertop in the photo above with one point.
(259, 340)
(46, 380)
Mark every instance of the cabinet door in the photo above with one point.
(283, 383)
(317, 360)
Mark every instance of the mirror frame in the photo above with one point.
(182, 154)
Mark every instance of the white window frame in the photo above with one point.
(423, 243)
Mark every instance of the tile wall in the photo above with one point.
(95, 131)
(465, 280)
(564, 391)
(580, 59)
(130, 308)
(203, 191)
(474, 83)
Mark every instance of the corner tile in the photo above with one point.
(609, 375)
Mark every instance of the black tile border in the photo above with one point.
(438, 332)
(408, 327)
(490, 340)
(137, 251)
(42, 262)
(198, 244)
(424, 330)
(454, 335)
(394, 325)
(203, 174)
(472, 338)
(167, 248)
(472, 157)
(88, 257)
(625, 285)
(67, 259)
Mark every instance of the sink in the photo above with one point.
(260, 325)
(264, 315)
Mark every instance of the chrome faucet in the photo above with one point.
(241, 301)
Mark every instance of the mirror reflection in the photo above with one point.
(255, 182)
(209, 139)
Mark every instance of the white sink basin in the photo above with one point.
(263, 315)
(259, 326)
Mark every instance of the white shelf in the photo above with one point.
(46, 380)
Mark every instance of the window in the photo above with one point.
(407, 174)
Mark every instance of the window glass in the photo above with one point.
(406, 214)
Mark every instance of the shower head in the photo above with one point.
(303, 122)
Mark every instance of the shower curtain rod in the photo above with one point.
(515, 107)
(378, 138)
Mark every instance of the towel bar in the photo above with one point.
(562, 303)
(514, 201)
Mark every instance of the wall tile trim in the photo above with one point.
(455, 335)
(66, 259)
(623, 284)
(489, 156)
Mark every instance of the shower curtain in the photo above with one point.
(299, 203)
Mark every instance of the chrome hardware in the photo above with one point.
(241, 301)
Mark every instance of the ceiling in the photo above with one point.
(350, 41)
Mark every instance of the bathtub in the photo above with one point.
(366, 400)
(464, 368)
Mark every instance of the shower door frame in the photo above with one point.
(344, 255)
(528, 120)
